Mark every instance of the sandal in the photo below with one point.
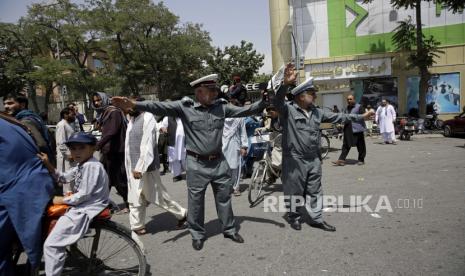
(122, 211)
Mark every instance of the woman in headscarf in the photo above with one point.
(112, 123)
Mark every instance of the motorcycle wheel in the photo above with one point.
(401, 136)
(427, 124)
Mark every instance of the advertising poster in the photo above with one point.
(444, 93)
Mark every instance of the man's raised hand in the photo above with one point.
(123, 103)
(290, 74)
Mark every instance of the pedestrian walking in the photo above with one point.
(112, 123)
(64, 130)
(176, 146)
(385, 118)
(142, 168)
(369, 122)
(235, 145)
(353, 134)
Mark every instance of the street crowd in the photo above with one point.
(207, 136)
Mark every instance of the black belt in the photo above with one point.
(203, 157)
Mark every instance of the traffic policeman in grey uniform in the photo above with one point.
(203, 121)
(301, 166)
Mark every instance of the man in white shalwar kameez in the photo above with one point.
(64, 130)
(235, 144)
(176, 146)
(385, 118)
(142, 167)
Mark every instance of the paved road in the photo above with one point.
(423, 180)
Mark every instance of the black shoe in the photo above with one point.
(197, 244)
(324, 226)
(177, 178)
(234, 237)
(296, 225)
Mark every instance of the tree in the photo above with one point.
(240, 60)
(262, 78)
(18, 49)
(406, 39)
(64, 31)
(149, 45)
(409, 37)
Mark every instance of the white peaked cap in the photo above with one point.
(207, 80)
(304, 86)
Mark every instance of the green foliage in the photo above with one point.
(240, 60)
(16, 53)
(149, 45)
(142, 45)
(262, 78)
(405, 40)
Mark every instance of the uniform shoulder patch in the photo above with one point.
(186, 101)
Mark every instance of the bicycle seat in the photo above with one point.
(104, 215)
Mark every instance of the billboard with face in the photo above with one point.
(442, 96)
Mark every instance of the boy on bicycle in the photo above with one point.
(87, 197)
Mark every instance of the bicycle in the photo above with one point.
(264, 169)
(106, 249)
(324, 144)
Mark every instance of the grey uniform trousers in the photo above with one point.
(302, 178)
(199, 174)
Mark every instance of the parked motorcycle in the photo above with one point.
(406, 129)
(433, 122)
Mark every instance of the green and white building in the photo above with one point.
(346, 46)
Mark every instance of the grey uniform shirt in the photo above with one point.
(301, 128)
(203, 126)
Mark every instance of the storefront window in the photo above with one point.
(372, 91)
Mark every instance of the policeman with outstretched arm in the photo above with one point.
(301, 166)
(203, 121)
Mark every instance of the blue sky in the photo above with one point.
(228, 22)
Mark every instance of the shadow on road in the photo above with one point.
(164, 222)
(213, 227)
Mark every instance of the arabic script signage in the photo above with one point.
(349, 69)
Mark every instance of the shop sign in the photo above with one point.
(349, 69)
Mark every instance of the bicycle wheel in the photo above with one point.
(324, 145)
(256, 183)
(106, 249)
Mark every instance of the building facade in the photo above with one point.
(346, 46)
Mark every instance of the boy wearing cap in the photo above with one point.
(301, 166)
(89, 197)
(203, 121)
